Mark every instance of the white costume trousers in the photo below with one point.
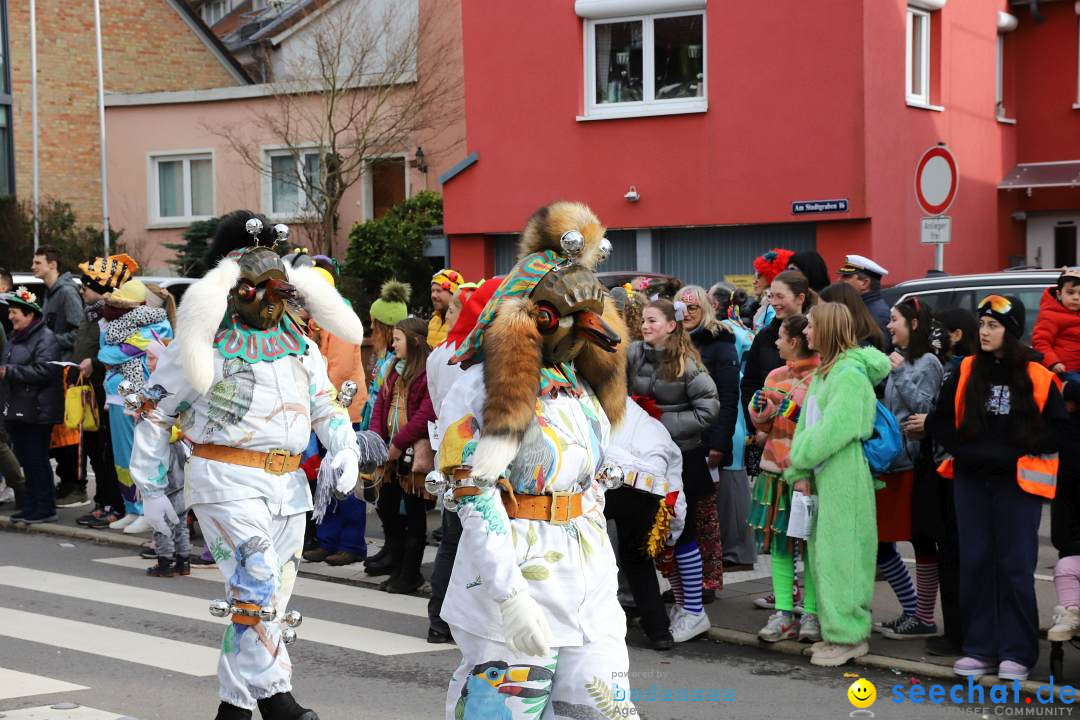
(258, 552)
(493, 683)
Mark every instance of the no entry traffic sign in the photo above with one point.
(936, 180)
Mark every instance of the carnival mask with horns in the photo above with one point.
(549, 321)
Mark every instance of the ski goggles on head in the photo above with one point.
(995, 304)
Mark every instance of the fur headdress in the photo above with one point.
(508, 338)
(206, 302)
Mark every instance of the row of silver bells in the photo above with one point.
(291, 619)
(610, 476)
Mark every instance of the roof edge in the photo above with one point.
(212, 42)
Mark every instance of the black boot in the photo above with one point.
(225, 711)
(391, 561)
(165, 568)
(183, 564)
(408, 579)
(284, 707)
(377, 557)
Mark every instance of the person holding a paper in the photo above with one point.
(774, 410)
(836, 417)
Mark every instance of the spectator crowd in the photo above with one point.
(807, 420)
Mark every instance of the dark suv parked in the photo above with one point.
(966, 291)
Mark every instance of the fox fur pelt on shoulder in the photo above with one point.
(513, 357)
(545, 229)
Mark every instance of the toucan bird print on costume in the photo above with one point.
(491, 685)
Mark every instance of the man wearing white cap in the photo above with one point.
(865, 275)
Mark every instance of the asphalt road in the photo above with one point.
(81, 623)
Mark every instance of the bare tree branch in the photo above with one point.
(377, 78)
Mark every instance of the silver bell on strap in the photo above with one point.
(292, 618)
(281, 232)
(449, 501)
(254, 228)
(220, 608)
(610, 475)
(435, 483)
(347, 393)
(288, 636)
(605, 249)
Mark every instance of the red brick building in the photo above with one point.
(693, 127)
(151, 45)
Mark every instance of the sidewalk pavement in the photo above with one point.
(734, 618)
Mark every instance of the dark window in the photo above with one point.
(1065, 246)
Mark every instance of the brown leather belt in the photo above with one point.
(275, 462)
(249, 612)
(557, 508)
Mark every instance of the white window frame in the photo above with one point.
(920, 100)
(153, 204)
(306, 211)
(369, 189)
(649, 106)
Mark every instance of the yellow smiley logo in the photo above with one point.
(862, 693)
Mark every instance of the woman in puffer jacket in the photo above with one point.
(667, 367)
(32, 401)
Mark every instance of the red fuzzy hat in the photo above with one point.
(471, 309)
(772, 263)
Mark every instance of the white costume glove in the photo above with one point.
(346, 467)
(525, 626)
(159, 512)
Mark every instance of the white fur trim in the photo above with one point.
(493, 455)
(201, 310)
(326, 305)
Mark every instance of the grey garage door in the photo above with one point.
(704, 255)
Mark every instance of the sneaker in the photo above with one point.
(7, 495)
(833, 655)
(76, 497)
(781, 626)
(94, 514)
(138, 526)
(768, 602)
(1009, 670)
(686, 625)
(123, 522)
(1066, 624)
(910, 627)
(880, 627)
(973, 666)
(809, 628)
(205, 559)
(104, 521)
(147, 551)
(38, 519)
(19, 516)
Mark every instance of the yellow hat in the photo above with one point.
(447, 279)
(131, 294)
(325, 275)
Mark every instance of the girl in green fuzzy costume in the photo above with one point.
(837, 415)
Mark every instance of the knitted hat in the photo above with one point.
(105, 274)
(447, 279)
(1007, 310)
(772, 263)
(22, 299)
(131, 294)
(393, 304)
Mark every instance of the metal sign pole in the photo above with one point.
(34, 118)
(101, 128)
(939, 257)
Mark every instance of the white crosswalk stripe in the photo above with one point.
(49, 712)
(15, 684)
(110, 642)
(308, 588)
(350, 637)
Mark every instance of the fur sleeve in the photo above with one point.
(512, 362)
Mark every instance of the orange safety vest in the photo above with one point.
(1036, 474)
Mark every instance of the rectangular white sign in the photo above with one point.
(936, 231)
